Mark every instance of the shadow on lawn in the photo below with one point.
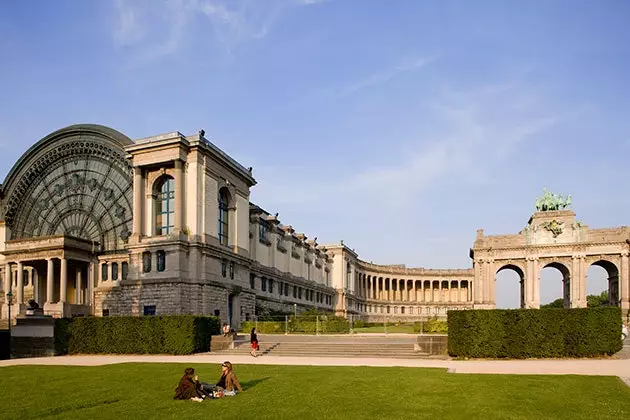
(253, 383)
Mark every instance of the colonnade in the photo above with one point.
(14, 280)
(404, 290)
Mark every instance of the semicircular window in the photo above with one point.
(79, 186)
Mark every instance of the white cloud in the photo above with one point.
(475, 131)
(159, 28)
(128, 30)
(386, 75)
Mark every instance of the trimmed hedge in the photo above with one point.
(534, 333)
(182, 334)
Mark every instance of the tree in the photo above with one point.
(558, 303)
(595, 301)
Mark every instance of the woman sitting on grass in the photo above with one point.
(228, 380)
(189, 387)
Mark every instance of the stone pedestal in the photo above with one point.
(219, 342)
(16, 310)
(58, 310)
(436, 345)
(33, 336)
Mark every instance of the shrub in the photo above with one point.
(534, 333)
(183, 334)
(431, 326)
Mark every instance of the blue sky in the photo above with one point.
(398, 126)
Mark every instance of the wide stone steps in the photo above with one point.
(314, 349)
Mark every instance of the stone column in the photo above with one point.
(79, 287)
(20, 283)
(179, 197)
(575, 282)
(63, 287)
(35, 282)
(7, 278)
(50, 273)
(90, 285)
(458, 291)
(536, 278)
(138, 196)
(479, 271)
(582, 276)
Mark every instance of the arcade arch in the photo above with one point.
(610, 276)
(555, 283)
(509, 278)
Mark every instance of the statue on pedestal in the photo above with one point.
(552, 202)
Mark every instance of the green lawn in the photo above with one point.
(145, 391)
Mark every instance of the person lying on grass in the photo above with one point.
(228, 380)
(189, 387)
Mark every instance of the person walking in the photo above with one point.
(253, 339)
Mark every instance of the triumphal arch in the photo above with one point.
(553, 238)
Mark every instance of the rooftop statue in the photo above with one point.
(551, 202)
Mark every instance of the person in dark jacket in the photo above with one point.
(189, 387)
(253, 339)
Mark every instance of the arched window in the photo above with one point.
(125, 270)
(165, 206)
(114, 271)
(104, 272)
(161, 260)
(223, 217)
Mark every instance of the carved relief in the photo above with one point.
(554, 226)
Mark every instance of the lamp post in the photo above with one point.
(9, 302)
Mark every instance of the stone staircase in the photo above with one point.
(330, 346)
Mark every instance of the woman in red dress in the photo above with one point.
(253, 339)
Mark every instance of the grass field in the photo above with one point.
(145, 391)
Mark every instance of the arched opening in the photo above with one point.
(164, 192)
(555, 286)
(509, 287)
(224, 216)
(602, 284)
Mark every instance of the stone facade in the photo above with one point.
(94, 223)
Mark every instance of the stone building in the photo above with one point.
(94, 223)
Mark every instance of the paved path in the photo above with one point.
(606, 367)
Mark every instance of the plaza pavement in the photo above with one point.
(607, 367)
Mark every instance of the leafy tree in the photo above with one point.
(595, 301)
(558, 303)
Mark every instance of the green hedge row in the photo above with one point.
(183, 334)
(534, 333)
